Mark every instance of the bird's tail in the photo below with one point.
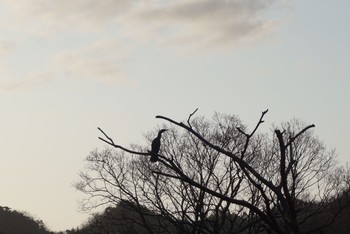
(154, 158)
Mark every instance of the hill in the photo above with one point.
(15, 222)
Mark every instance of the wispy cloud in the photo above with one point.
(201, 22)
(29, 82)
(219, 22)
(46, 17)
(7, 47)
(101, 60)
(184, 23)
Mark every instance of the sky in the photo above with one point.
(70, 66)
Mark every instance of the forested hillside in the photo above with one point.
(15, 222)
(126, 218)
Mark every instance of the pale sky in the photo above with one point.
(69, 66)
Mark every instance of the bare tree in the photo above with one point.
(176, 205)
(215, 177)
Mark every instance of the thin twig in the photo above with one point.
(190, 116)
(256, 126)
(301, 132)
(110, 139)
(223, 151)
(241, 131)
(111, 143)
(166, 174)
(260, 122)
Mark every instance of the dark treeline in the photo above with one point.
(125, 218)
(15, 222)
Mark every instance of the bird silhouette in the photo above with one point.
(156, 146)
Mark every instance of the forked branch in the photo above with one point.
(111, 143)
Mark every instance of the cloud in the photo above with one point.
(7, 47)
(177, 22)
(184, 23)
(46, 17)
(100, 60)
(29, 82)
(201, 22)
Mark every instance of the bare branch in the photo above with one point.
(301, 132)
(111, 143)
(260, 122)
(110, 139)
(166, 174)
(214, 179)
(223, 151)
(190, 116)
(241, 131)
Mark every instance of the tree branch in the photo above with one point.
(221, 150)
(111, 143)
(301, 132)
(190, 116)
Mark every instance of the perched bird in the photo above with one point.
(156, 146)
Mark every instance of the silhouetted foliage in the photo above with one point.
(123, 218)
(14, 222)
(215, 177)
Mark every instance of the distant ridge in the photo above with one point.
(15, 222)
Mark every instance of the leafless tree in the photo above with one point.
(215, 177)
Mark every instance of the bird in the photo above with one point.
(156, 146)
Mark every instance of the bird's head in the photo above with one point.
(160, 132)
